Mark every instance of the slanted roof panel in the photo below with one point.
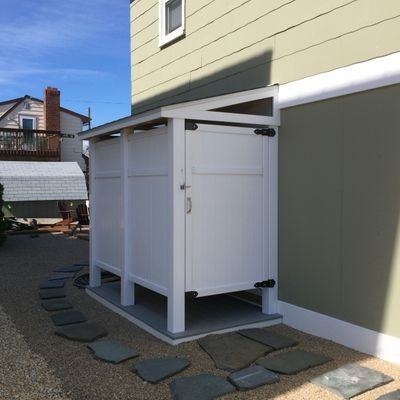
(34, 181)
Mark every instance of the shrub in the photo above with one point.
(3, 223)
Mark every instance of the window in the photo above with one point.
(27, 122)
(28, 138)
(171, 20)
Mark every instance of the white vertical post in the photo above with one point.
(94, 270)
(270, 295)
(127, 287)
(176, 289)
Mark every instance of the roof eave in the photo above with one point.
(132, 121)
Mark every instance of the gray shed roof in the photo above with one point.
(30, 181)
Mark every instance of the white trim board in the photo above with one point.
(367, 75)
(356, 337)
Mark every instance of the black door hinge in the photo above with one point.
(270, 132)
(192, 295)
(191, 126)
(270, 283)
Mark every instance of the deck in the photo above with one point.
(29, 145)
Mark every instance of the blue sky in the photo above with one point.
(78, 46)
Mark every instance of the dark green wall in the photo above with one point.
(339, 203)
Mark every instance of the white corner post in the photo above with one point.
(270, 295)
(177, 206)
(127, 286)
(94, 270)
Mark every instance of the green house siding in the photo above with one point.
(339, 208)
(240, 44)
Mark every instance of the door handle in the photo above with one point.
(189, 205)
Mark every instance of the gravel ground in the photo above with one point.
(24, 374)
(25, 262)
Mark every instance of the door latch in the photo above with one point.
(184, 186)
(189, 205)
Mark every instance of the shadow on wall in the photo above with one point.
(339, 189)
(250, 74)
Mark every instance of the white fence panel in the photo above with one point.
(149, 209)
(108, 210)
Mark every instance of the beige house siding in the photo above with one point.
(35, 110)
(339, 208)
(241, 44)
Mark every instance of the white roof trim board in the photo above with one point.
(199, 110)
(38, 181)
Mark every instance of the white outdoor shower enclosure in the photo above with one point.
(183, 200)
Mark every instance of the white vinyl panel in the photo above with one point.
(226, 231)
(107, 190)
(148, 198)
(108, 155)
(235, 150)
(226, 224)
(108, 233)
(148, 151)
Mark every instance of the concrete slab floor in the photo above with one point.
(203, 315)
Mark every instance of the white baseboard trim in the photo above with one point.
(356, 337)
(366, 75)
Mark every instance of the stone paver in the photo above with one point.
(390, 396)
(112, 351)
(68, 268)
(68, 318)
(232, 351)
(56, 305)
(293, 362)
(51, 293)
(351, 380)
(52, 285)
(200, 387)
(269, 338)
(62, 275)
(86, 332)
(157, 369)
(252, 377)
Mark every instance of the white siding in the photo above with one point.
(71, 149)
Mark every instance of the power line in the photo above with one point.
(95, 102)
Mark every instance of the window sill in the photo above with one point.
(172, 37)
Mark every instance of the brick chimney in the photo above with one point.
(52, 116)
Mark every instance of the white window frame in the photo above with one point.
(163, 39)
(22, 117)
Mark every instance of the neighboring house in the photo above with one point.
(32, 129)
(40, 154)
(326, 74)
(33, 189)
